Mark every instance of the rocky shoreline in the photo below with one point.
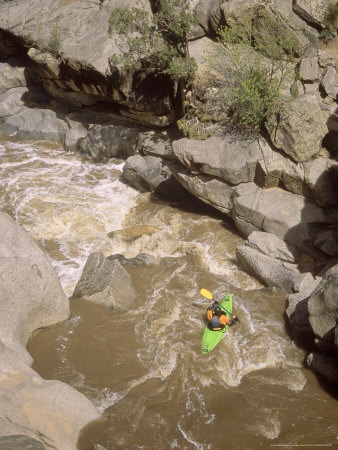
(280, 188)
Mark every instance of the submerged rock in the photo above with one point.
(133, 233)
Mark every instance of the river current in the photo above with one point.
(143, 369)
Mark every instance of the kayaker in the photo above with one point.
(217, 319)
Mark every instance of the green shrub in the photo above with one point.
(54, 41)
(331, 17)
(158, 43)
(252, 65)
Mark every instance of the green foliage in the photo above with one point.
(251, 67)
(158, 43)
(54, 41)
(326, 35)
(331, 17)
(46, 41)
(194, 128)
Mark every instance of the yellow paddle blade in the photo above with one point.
(206, 293)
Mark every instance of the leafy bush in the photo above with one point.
(54, 41)
(331, 17)
(158, 43)
(250, 68)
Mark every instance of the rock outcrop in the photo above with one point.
(46, 413)
(31, 295)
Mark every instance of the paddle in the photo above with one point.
(209, 296)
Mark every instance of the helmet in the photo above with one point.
(217, 310)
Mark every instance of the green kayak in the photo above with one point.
(211, 338)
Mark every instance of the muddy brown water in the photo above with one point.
(143, 369)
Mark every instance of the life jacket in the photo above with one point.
(215, 322)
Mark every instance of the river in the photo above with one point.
(143, 369)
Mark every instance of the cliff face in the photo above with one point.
(280, 187)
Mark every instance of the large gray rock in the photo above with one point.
(327, 240)
(309, 69)
(35, 123)
(105, 281)
(13, 75)
(297, 306)
(20, 441)
(231, 158)
(151, 143)
(47, 410)
(329, 83)
(151, 174)
(290, 217)
(15, 100)
(234, 11)
(31, 295)
(325, 365)
(320, 176)
(312, 11)
(323, 306)
(208, 14)
(210, 190)
(107, 141)
(275, 169)
(271, 245)
(83, 73)
(269, 271)
(299, 130)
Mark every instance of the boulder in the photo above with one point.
(75, 132)
(83, 74)
(312, 12)
(208, 14)
(234, 11)
(231, 158)
(321, 177)
(151, 174)
(275, 169)
(327, 240)
(48, 411)
(35, 124)
(309, 69)
(323, 306)
(271, 245)
(269, 271)
(105, 281)
(299, 130)
(305, 281)
(209, 190)
(151, 143)
(328, 82)
(324, 365)
(15, 100)
(290, 217)
(298, 316)
(297, 307)
(133, 233)
(13, 75)
(139, 260)
(31, 295)
(107, 141)
(20, 441)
